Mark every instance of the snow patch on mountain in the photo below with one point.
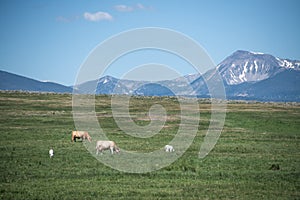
(256, 53)
(105, 81)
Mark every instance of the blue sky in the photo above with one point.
(49, 40)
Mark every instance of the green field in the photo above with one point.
(256, 136)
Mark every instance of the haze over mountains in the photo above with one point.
(245, 75)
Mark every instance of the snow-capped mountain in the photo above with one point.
(244, 66)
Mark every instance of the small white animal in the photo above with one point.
(104, 145)
(169, 148)
(51, 153)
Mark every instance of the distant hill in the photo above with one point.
(9, 81)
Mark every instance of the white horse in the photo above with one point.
(105, 144)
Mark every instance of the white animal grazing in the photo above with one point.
(169, 148)
(105, 144)
(51, 153)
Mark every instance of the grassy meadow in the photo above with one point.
(256, 157)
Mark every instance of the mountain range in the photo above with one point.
(245, 75)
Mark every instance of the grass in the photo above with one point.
(255, 136)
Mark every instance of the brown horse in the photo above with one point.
(83, 135)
